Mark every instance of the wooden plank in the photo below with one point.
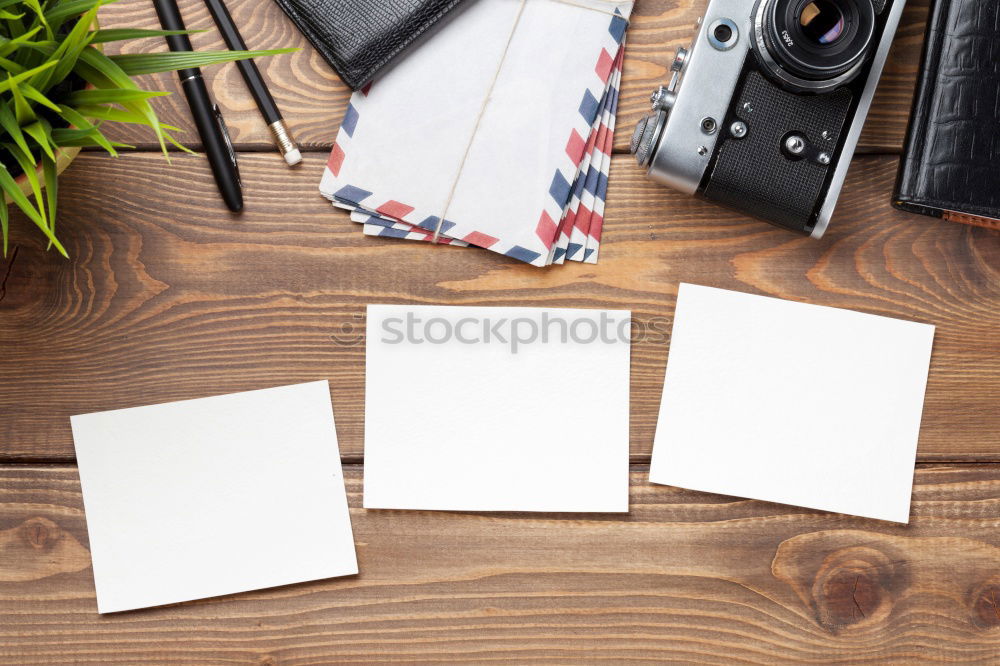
(685, 577)
(168, 296)
(313, 99)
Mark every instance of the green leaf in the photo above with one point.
(17, 196)
(74, 117)
(32, 93)
(9, 185)
(66, 137)
(62, 134)
(22, 110)
(14, 80)
(116, 115)
(89, 138)
(11, 66)
(8, 46)
(15, 26)
(40, 131)
(9, 124)
(149, 63)
(51, 176)
(69, 50)
(105, 35)
(4, 220)
(28, 165)
(34, 6)
(101, 71)
(109, 96)
(65, 10)
(177, 144)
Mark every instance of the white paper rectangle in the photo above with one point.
(793, 403)
(479, 422)
(205, 497)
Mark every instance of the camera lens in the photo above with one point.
(822, 22)
(813, 45)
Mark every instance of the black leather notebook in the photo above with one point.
(360, 37)
(951, 163)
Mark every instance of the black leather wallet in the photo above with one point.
(360, 37)
(951, 162)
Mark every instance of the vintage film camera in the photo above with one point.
(764, 110)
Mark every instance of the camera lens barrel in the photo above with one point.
(813, 45)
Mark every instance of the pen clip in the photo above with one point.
(229, 142)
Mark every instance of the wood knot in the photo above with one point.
(40, 533)
(267, 661)
(38, 548)
(854, 587)
(848, 588)
(985, 603)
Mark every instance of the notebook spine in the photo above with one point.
(907, 194)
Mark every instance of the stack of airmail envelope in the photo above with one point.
(496, 133)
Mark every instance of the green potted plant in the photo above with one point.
(58, 88)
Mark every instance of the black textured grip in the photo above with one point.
(952, 157)
(752, 174)
(360, 37)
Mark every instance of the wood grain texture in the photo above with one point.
(168, 296)
(313, 99)
(686, 577)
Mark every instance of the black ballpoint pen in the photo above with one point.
(207, 117)
(255, 82)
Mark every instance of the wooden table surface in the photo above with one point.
(168, 296)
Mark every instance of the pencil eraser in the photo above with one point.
(293, 157)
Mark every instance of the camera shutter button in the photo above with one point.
(680, 58)
(663, 99)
